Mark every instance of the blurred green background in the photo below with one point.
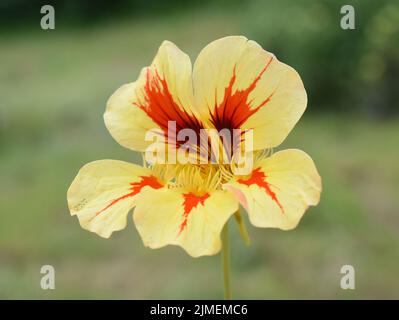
(53, 89)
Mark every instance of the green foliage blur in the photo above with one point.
(353, 71)
(53, 88)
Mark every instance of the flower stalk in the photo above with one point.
(226, 262)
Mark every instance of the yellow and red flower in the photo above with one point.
(234, 84)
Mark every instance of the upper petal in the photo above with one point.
(279, 190)
(163, 92)
(104, 191)
(238, 84)
(179, 217)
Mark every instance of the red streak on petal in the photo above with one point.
(234, 110)
(190, 201)
(135, 188)
(258, 177)
(160, 106)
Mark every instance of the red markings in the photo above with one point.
(161, 107)
(136, 187)
(150, 181)
(190, 201)
(234, 110)
(258, 177)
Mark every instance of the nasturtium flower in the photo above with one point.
(233, 84)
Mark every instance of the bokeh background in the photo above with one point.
(53, 89)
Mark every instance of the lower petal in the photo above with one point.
(103, 193)
(178, 217)
(279, 190)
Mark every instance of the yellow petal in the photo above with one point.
(246, 87)
(127, 123)
(104, 191)
(177, 217)
(163, 92)
(279, 190)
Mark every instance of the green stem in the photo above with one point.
(226, 262)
